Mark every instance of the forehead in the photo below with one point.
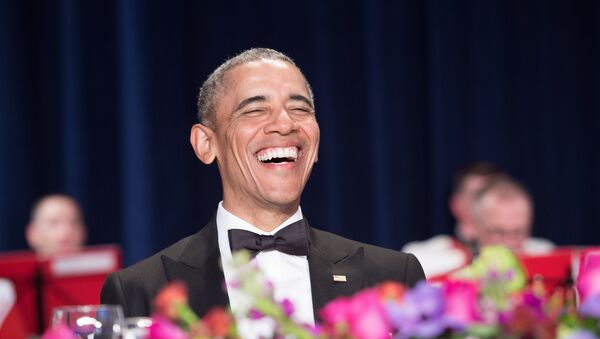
(516, 208)
(56, 205)
(263, 75)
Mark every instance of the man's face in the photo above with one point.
(461, 205)
(57, 227)
(266, 137)
(504, 221)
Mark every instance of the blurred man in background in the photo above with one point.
(503, 215)
(467, 183)
(56, 225)
(443, 253)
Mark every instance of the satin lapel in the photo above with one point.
(199, 267)
(325, 261)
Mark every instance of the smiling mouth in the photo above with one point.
(278, 155)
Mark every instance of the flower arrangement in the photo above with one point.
(488, 299)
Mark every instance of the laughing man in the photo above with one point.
(258, 123)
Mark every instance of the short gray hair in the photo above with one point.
(505, 187)
(207, 98)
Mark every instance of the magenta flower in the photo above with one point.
(162, 328)
(288, 307)
(361, 315)
(367, 316)
(336, 312)
(461, 301)
(255, 314)
(588, 281)
(60, 331)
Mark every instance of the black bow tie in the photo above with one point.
(291, 239)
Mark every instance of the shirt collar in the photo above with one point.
(226, 221)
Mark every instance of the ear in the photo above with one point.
(454, 205)
(202, 139)
(31, 236)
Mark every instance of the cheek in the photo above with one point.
(313, 131)
(238, 137)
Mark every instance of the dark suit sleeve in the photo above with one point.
(112, 292)
(414, 272)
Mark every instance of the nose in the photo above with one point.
(281, 123)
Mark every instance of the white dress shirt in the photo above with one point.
(289, 275)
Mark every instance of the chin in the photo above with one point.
(284, 199)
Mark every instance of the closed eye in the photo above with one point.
(255, 111)
(301, 110)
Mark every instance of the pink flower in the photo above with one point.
(461, 301)
(60, 331)
(169, 297)
(162, 328)
(362, 316)
(336, 312)
(368, 319)
(588, 281)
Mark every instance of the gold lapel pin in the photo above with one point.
(339, 278)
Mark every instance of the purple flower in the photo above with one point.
(591, 307)
(288, 307)
(581, 334)
(429, 299)
(420, 314)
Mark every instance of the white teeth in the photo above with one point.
(278, 152)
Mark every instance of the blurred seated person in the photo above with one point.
(503, 215)
(443, 253)
(12, 324)
(7, 298)
(56, 226)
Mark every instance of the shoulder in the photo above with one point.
(439, 255)
(324, 238)
(134, 287)
(380, 263)
(537, 246)
(151, 266)
(438, 242)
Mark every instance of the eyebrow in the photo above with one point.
(299, 97)
(261, 98)
(250, 100)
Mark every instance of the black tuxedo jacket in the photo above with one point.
(196, 261)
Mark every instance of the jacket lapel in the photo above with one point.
(334, 272)
(199, 267)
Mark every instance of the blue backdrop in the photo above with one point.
(97, 99)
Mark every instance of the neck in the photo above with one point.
(266, 219)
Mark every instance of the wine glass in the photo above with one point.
(91, 321)
(137, 328)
